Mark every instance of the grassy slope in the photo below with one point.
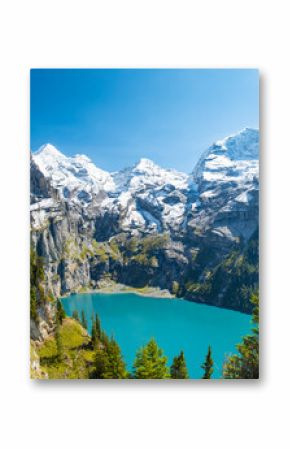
(78, 357)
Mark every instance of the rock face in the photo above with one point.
(228, 186)
(146, 225)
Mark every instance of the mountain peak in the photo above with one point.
(241, 145)
(49, 150)
(233, 159)
(145, 164)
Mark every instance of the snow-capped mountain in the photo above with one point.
(146, 174)
(75, 177)
(231, 160)
(140, 194)
(71, 174)
(149, 198)
(227, 182)
(76, 206)
(143, 195)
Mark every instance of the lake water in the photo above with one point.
(175, 324)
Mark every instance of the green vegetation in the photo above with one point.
(109, 363)
(175, 287)
(72, 250)
(178, 369)
(37, 292)
(36, 372)
(67, 354)
(141, 259)
(72, 354)
(116, 366)
(33, 303)
(207, 366)
(115, 251)
(55, 277)
(101, 364)
(237, 276)
(60, 313)
(84, 252)
(131, 245)
(58, 340)
(143, 251)
(150, 362)
(154, 242)
(246, 364)
(84, 289)
(84, 320)
(96, 330)
(98, 326)
(76, 316)
(100, 251)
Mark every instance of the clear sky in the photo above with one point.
(118, 116)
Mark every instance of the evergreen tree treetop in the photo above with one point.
(178, 369)
(98, 326)
(150, 362)
(84, 322)
(207, 366)
(109, 362)
(60, 313)
(245, 365)
(76, 316)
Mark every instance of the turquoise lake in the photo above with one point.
(175, 324)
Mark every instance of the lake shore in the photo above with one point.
(112, 287)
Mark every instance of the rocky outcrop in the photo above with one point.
(36, 372)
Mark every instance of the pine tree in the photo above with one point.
(150, 362)
(178, 369)
(37, 294)
(116, 366)
(98, 327)
(33, 304)
(84, 322)
(104, 339)
(60, 313)
(109, 363)
(94, 332)
(101, 364)
(76, 316)
(207, 366)
(58, 340)
(36, 268)
(245, 365)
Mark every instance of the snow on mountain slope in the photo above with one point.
(227, 183)
(75, 177)
(231, 160)
(146, 174)
(147, 188)
(136, 193)
(148, 198)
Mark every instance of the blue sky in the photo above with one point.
(118, 116)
